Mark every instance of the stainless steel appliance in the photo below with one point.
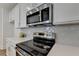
(39, 46)
(40, 15)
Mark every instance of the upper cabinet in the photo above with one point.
(24, 7)
(11, 15)
(14, 16)
(17, 18)
(66, 13)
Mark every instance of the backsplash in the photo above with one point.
(29, 31)
(65, 34)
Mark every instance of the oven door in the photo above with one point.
(20, 52)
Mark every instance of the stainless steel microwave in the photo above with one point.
(40, 15)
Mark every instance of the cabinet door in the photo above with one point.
(11, 15)
(66, 12)
(7, 44)
(16, 16)
(22, 15)
(24, 7)
(10, 49)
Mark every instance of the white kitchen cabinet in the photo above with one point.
(11, 16)
(14, 16)
(10, 48)
(65, 13)
(11, 45)
(23, 11)
(24, 7)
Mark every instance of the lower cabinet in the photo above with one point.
(10, 48)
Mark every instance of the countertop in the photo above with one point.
(17, 40)
(64, 50)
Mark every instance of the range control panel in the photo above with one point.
(44, 35)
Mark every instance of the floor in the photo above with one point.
(2, 52)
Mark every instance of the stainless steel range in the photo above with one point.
(39, 46)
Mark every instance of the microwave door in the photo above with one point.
(33, 18)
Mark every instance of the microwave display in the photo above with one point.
(33, 18)
(45, 14)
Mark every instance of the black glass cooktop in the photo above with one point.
(30, 48)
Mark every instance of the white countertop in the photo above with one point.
(64, 50)
(16, 40)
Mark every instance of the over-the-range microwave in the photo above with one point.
(42, 14)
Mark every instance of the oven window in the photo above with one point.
(33, 18)
(45, 14)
